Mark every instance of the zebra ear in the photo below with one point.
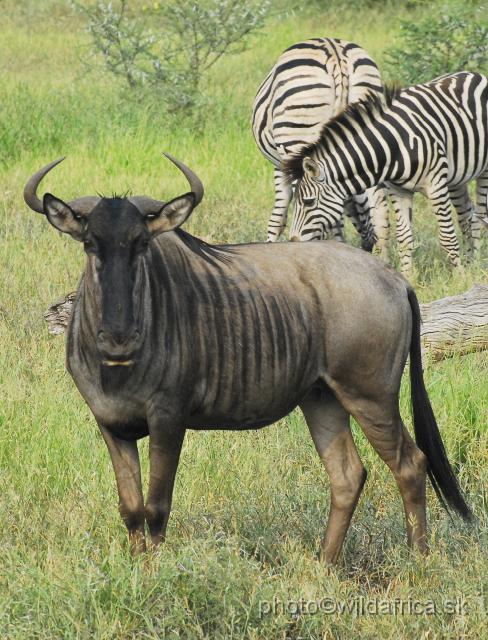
(312, 168)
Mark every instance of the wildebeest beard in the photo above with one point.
(113, 379)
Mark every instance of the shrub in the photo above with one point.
(169, 46)
(451, 37)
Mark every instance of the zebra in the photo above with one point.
(311, 82)
(431, 138)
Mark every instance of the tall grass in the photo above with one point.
(249, 508)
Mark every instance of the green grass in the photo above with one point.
(249, 508)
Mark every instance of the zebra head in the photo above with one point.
(319, 203)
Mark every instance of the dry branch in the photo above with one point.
(453, 325)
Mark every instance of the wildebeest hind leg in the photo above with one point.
(329, 427)
(383, 426)
(125, 460)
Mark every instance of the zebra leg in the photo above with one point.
(362, 220)
(380, 219)
(352, 213)
(441, 203)
(283, 195)
(402, 204)
(337, 231)
(464, 207)
(481, 214)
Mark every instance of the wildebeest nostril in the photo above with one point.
(117, 338)
(106, 338)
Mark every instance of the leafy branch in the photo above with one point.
(169, 47)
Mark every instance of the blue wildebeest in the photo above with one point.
(169, 332)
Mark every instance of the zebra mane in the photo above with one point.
(372, 105)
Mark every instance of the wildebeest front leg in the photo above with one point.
(164, 454)
(125, 460)
(329, 427)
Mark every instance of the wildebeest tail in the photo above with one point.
(426, 430)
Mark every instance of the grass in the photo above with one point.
(249, 508)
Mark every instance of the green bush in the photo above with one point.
(167, 47)
(451, 37)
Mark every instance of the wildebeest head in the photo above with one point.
(116, 234)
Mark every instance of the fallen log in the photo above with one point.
(58, 314)
(453, 325)
(457, 324)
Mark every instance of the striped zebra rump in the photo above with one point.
(311, 83)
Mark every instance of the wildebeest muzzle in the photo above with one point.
(118, 349)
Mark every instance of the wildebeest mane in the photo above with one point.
(209, 252)
(115, 195)
(371, 106)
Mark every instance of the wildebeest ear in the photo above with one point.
(172, 215)
(312, 168)
(62, 216)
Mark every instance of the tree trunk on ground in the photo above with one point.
(453, 325)
(457, 324)
(58, 314)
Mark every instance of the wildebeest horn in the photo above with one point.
(30, 189)
(195, 183)
(81, 206)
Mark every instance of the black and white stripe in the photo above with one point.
(311, 82)
(431, 138)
